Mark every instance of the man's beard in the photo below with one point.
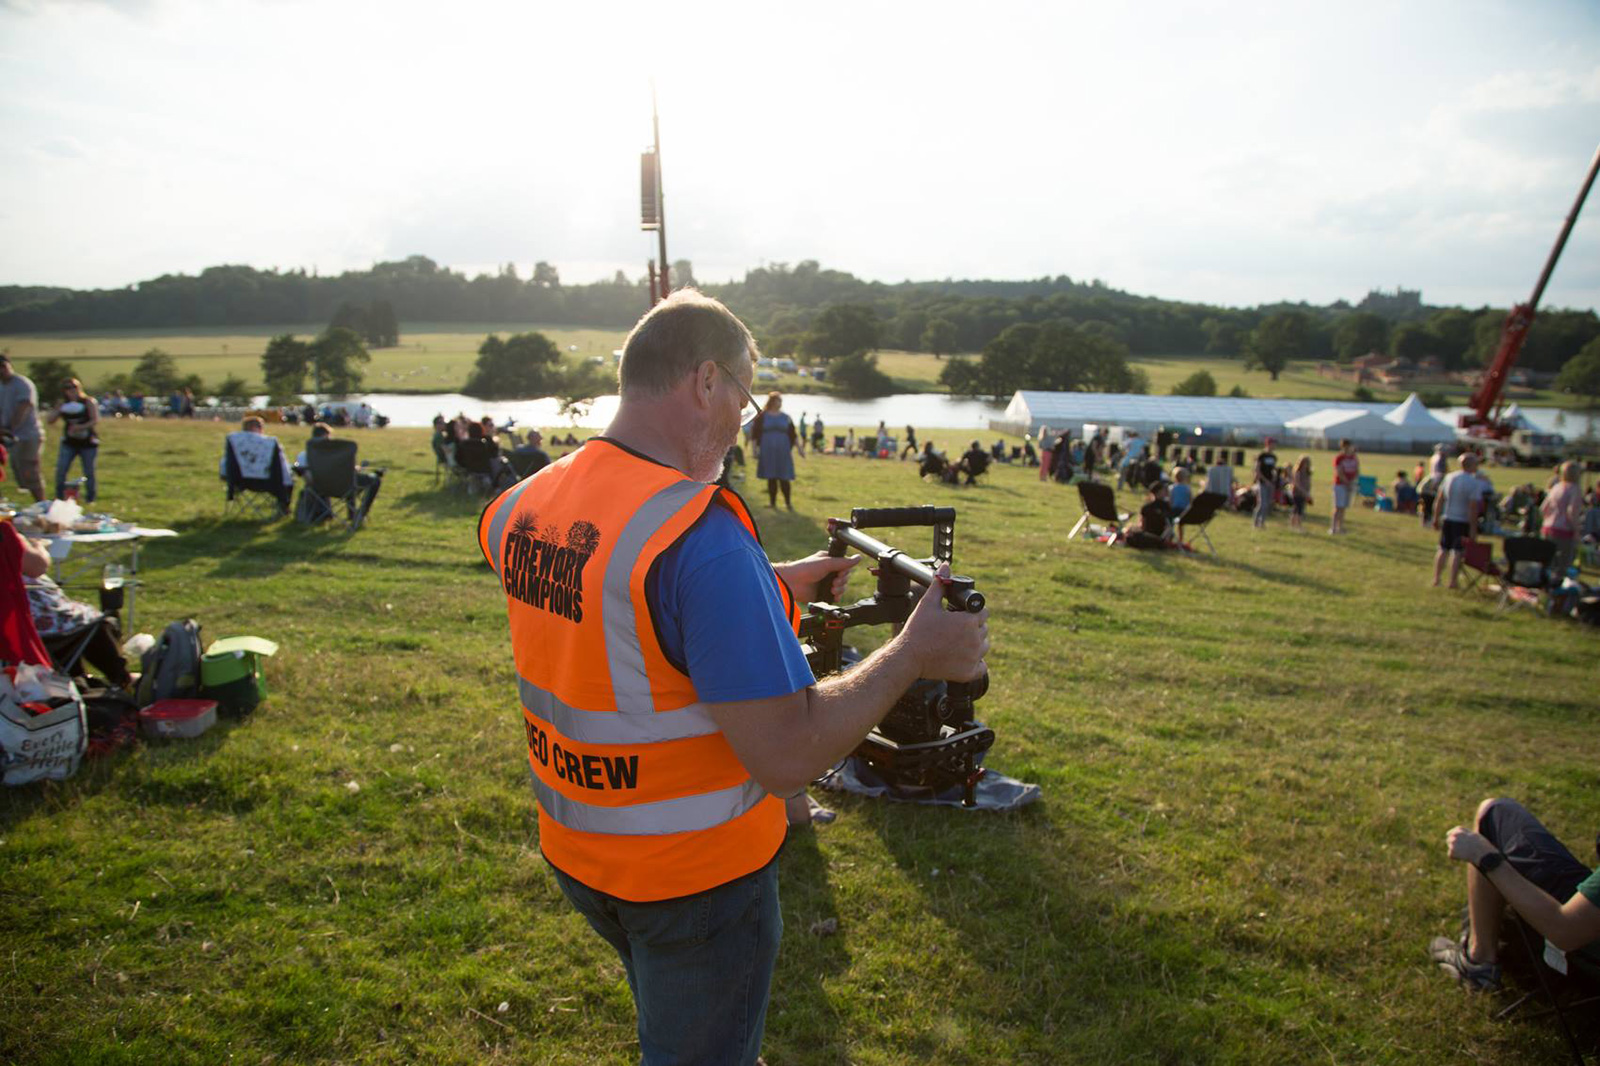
(705, 458)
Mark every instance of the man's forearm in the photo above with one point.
(842, 709)
(1533, 903)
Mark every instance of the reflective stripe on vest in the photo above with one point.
(614, 727)
(704, 810)
(630, 681)
(497, 525)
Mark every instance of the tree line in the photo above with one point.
(822, 315)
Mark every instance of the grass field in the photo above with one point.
(1248, 764)
(438, 357)
(430, 357)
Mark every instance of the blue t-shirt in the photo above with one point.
(719, 615)
(1182, 495)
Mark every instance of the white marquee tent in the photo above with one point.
(1419, 424)
(1244, 418)
(1327, 427)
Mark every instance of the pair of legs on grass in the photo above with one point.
(1543, 861)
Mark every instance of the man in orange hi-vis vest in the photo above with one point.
(666, 699)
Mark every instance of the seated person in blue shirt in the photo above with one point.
(1405, 494)
(1182, 494)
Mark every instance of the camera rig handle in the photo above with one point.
(896, 569)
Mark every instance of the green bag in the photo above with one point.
(230, 673)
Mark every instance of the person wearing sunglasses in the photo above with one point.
(666, 699)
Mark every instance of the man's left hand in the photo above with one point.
(805, 575)
(1466, 845)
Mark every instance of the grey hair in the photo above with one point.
(675, 336)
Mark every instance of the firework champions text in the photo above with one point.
(544, 568)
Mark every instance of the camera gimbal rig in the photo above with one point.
(929, 739)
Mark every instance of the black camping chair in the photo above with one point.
(1099, 501)
(1571, 987)
(522, 462)
(330, 478)
(974, 465)
(1527, 566)
(254, 497)
(933, 463)
(1202, 509)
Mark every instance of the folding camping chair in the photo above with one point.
(1528, 562)
(1099, 501)
(1367, 487)
(258, 481)
(1202, 509)
(838, 444)
(1577, 987)
(1478, 557)
(331, 477)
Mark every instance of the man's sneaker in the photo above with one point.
(1451, 955)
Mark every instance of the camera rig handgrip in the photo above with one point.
(959, 592)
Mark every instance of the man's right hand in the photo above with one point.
(948, 645)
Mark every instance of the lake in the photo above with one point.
(920, 409)
(924, 410)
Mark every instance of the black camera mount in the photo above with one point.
(929, 740)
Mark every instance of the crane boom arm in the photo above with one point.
(1485, 402)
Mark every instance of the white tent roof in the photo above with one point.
(1418, 422)
(1334, 422)
(1147, 413)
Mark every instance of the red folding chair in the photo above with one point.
(19, 640)
(1478, 557)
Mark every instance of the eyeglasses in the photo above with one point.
(753, 408)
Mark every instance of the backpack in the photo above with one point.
(171, 669)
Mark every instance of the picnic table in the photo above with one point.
(79, 559)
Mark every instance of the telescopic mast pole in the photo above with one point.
(664, 272)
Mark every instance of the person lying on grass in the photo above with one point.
(1513, 859)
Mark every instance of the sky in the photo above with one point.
(1232, 153)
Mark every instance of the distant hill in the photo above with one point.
(781, 301)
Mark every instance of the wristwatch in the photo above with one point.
(1490, 862)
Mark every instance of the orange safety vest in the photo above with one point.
(640, 795)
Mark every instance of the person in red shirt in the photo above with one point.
(1346, 473)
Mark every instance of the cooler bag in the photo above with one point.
(230, 673)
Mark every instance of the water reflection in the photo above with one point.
(919, 409)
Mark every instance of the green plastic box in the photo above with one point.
(230, 673)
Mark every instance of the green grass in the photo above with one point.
(431, 357)
(1248, 762)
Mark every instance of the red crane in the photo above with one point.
(1485, 420)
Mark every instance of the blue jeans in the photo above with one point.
(699, 967)
(64, 462)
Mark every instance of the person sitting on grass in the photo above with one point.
(933, 462)
(1514, 860)
(1154, 528)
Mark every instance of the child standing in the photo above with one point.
(1300, 493)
